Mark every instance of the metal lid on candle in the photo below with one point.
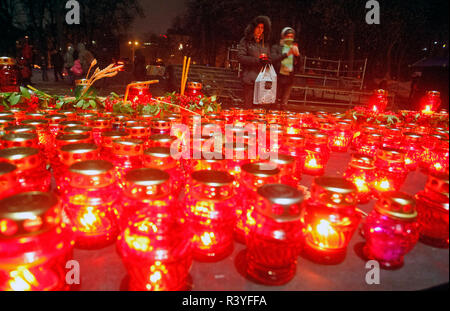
(6, 168)
(92, 167)
(159, 152)
(38, 123)
(55, 118)
(334, 191)
(70, 123)
(397, 205)
(64, 139)
(412, 137)
(147, 176)
(79, 129)
(8, 114)
(28, 214)
(81, 82)
(115, 134)
(79, 147)
(20, 129)
(18, 153)
(260, 169)
(361, 161)
(7, 120)
(283, 202)
(282, 159)
(20, 137)
(194, 85)
(391, 155)
(213, 178)
(162, 138)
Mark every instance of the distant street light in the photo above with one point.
(133, 47)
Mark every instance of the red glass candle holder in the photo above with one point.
(146, 188)
(99, 125)
(237, 156)
(392, 138)
(275, 242)
(329, 219)
(210, 213)
(194, 89)
(378, 101)
(340, 137)
(139, 131)
(127, 154)
(411, 146)
(293, 126)
(31, 173)
(118, 121)
(68, 155)
(54, 120)
(317, 154)
(391, 171)
(9, 75)
(439, 157)
(253, 176)
(8, 182)
(107, 139)
(161, 158)
(34, 245)
(139, 93)
(161, 140)
(294, 145)
(81, 130)
(430, 103)
(361, 172)
(209, 161)
(161, 126)
(46, 140)
(66, 139)
(89, 204)
(391, 229)
(290, 171)
(433, 211)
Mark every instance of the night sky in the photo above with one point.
(159, 15)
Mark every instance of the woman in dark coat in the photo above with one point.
(285, 58)
(252, 46)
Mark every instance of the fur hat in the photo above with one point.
(286, 31)
(249, 31)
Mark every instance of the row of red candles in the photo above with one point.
(214, 205)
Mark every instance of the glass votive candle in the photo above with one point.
(329, 219)
(68, 155)
(392, 138)
(317, 154)
(340, 137)
(275, 242)
(433, 211)
(391, 171)
(161, 158)
(89, 204)
(8, 182)
(294, 145)
(391, 229)
(127, 154)
(411, 146)
(53, 121)
(99, 125)
(31, 173)
(20, 129)
(253, 176)
(161, 126)
(46, 139)
(34, 244)
(210, 214)
(107, 138)
(369, 144)
(161, 140)
(290, 171)
(361, 172)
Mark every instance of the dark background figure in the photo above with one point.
(285, 59)
(43, 63)
(139, 66)
(85, 57)
(26, 62)
(77, 68)
(68, 62)
(254, 43)
(57, 61)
